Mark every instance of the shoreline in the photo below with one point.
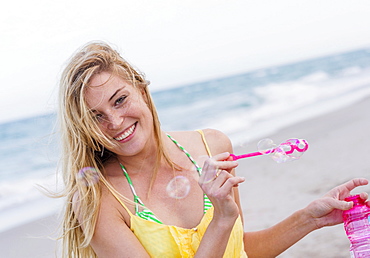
(338, 151)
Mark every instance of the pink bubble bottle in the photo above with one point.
(357, 226)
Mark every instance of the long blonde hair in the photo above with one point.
(83, 142)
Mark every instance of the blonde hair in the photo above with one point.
(83, 142)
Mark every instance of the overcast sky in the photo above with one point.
(172, 42)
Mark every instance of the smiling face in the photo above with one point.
(121, 113)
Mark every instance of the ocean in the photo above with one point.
(246, 106)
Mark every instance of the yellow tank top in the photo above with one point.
(162, 240)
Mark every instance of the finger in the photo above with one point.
(209, 175)
(212, 165)
(221, 156)
(242, 180)
(225, 157)
(364, 196)
(352, 184)
(231, 182)
(227, 165)
(221, 177)
(230, 158)
(340, 205)
(220, 161)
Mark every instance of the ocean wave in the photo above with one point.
(15, 192)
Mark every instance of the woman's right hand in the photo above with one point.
(327, 211)
(217, 183)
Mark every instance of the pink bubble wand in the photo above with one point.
(282, 153)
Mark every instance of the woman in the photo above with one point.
(121, 207)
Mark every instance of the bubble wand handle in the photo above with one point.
(289, 147)
(253, 154)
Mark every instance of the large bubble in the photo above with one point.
(178, 187)
(88, 175)
(266, 146)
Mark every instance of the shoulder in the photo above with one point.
(217, 141)
(112, 236)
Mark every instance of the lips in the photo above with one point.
(126, 133)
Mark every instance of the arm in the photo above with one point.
(273, 241)
(326, 211)
(218, 182)
(113, 238)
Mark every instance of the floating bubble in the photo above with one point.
(294, 149)
(209, 176)
(266, 146)
(178, 187)
(88, 175)
(279, 155)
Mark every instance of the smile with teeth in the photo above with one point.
(126, 134)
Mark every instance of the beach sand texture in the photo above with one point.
(338, 151)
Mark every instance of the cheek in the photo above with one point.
(145, 115)
(147, 111)
(139, 105)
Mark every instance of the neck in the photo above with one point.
(146, 160)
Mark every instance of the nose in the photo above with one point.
(115, 120)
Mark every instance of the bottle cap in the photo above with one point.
(356, 199)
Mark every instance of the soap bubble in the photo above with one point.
(210, 176)
(266, 146)
(88, 175)
(178, 187)
(290, 150)
(279, 155)
(296, 148)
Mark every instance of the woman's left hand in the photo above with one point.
(217, 183)
(327, 211)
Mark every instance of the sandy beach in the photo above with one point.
(338, 151)
(35, 239)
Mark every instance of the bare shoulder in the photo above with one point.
(217, 141)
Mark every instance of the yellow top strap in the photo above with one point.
(205, 142)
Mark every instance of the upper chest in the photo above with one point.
(173, 195)
(175, 199)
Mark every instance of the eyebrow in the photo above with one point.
(115, 93)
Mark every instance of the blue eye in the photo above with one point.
(120, 100)
(99, 117)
